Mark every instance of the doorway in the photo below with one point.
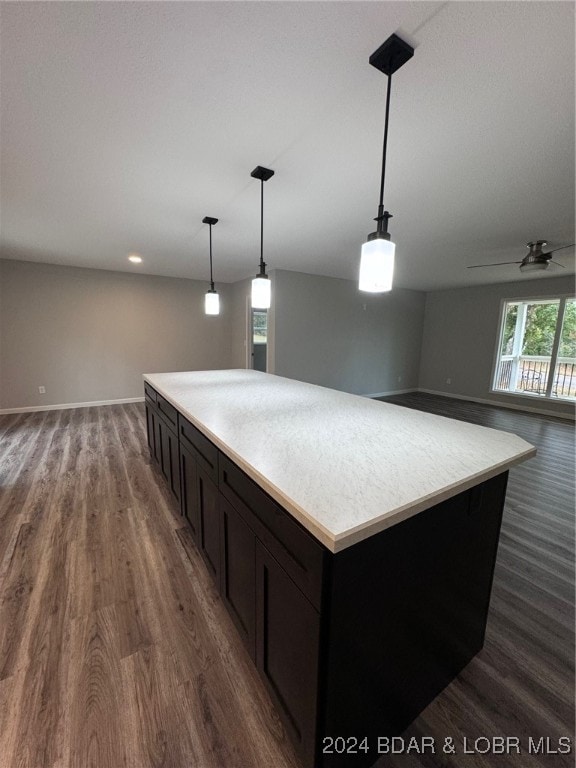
(259, 338)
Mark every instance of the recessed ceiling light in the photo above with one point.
(135, 259)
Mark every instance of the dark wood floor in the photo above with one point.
(116, 651)
(522, 683)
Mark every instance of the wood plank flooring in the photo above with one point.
(115, 649)
(522, 682)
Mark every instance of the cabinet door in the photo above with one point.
(287, 650)
(209, 523)
(169, 458)
(174, 478)
(164, 457)
(189, 491)
(150, 434)
(237, 577)
(156, 422)
(153, 433)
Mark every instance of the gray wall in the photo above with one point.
(327, 332)
(461, 327)
(89, 334)
(239, 293)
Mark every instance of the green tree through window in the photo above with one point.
(538, 348)
(509, 327)
(540, 329)
(568, 338)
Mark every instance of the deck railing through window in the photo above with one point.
(529, 374)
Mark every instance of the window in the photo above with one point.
(259, 326)
(537, 348)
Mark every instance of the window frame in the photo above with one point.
(561, 298)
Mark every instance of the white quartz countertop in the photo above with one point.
(346, 467)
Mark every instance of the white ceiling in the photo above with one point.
(124, 124)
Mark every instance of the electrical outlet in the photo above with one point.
(399, 379)
(448, 381)
(42, 390)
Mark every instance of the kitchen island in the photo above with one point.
(353, 542)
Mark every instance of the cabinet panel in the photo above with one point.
(162, 441)
(237, 579)
(168, 411)
(156, 421)
(298, 553)
(174, 465)
(407, 613)
(205, 451)
(209, 523)
(150, 392)
(189, 491)
(150, 431)
(287, 650)
(169, 456)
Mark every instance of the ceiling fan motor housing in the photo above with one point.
(535, 246)
(535, 260)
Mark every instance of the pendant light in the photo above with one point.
(261, 283)
(377, 259)
(211, 300)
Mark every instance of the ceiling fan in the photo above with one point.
(534, 260)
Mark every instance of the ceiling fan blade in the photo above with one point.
(559, 249)
(557, 263)
(498, 264)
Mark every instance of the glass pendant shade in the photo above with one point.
(377, 266)
(261, 292)
(212, 303)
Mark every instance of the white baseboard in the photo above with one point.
(500, 404)
(484, 401)
(67, 406)
(392, 392)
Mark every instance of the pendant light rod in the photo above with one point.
(263, 174)
(377, 256)
(211, 278)
(391, 55)
(210, 221)
(262, 264)
(385, 146)
(261, 285)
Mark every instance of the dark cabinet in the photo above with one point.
(204, 451)
(163, 443)
(277, 623)
(189, 491)
(173, 452)
(200, 496)
(208, 513)
(169, 456)
(287, 650)
(151, 418)
(237, 578)
(297, 552)
(269, 573)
